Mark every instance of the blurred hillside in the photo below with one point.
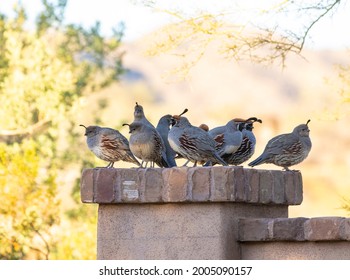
(218, 89)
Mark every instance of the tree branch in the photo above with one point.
(259, 44)
(17, 135)
(328, 9)
(43, 240)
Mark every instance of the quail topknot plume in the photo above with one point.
(193, 143)
(146, 144)
(109, 145)
(288, 149)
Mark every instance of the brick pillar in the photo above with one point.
(320, 238)
(181, 212)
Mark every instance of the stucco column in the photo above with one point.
(183, 213)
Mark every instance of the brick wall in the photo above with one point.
(191, 184)
(207, 213)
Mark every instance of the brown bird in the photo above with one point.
(109, 145)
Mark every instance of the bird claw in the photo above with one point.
(293, 170)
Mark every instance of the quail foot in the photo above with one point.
(109, 145)
(288, 149)
(146, 144)
(193, 143)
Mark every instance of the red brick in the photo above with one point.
(289, 229)
(253, 184)
(175, 184)
(153, 182)
(251, 229)
(278, 196)
(199, 179)
(324, 228)
(293, 187)
(87, 186)
(105, 184)
(289, 188)
(266, 187)
(239, 189)
(298, 184)
(129, 185)
(231, 184)
(345, 233)
(219, 187)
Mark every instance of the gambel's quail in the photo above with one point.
(163, 128)
(205, 128)
(139, 115)
(247, 147)
(228, 138)
(108, 144)
(288, 149)
(146, 144)
(192, 142)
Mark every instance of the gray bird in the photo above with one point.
(109, 145)
(193, 143)
(139, 115)
(288, 149)
(228, 138)
(247, 147)
(146, 144)
(163, 128)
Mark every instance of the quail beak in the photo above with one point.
(172, 121)
(175, 119)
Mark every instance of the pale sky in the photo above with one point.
(139, 20)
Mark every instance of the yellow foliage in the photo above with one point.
(43, 78)
(25, 226)
(34, 87)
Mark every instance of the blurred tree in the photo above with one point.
(43, 76)
(240, 31)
